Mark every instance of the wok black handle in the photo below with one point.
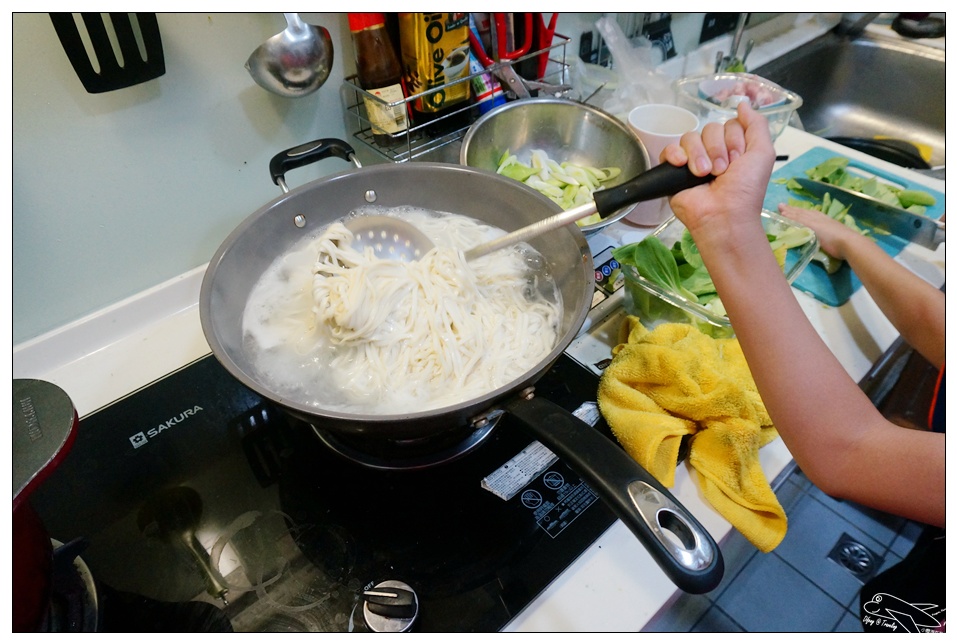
(661, 181)
(676, 540)
(307, 153)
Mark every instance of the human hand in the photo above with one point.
(833, 236)
(741, 155)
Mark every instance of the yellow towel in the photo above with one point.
(674, 380)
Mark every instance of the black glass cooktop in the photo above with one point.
(196, 505)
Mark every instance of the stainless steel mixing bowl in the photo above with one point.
(566, 130)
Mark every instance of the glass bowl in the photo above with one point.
(654, 305)
(713, 98)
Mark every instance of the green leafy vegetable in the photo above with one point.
(791, 237)
(655, 263)
(834, 171)
(681, 270)
(910, 198)
(689, 250)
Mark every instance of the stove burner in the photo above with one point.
(325, 528)
(381, 454)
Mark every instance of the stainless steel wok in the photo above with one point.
(680, 545)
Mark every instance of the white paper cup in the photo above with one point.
(657, 125)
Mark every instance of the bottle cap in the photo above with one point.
(360, 21)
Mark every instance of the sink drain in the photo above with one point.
(855, 557)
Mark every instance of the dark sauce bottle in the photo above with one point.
(379, 73)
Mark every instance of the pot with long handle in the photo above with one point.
(676, 540)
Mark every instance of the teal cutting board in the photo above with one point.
(837, 288)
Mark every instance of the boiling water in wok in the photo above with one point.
(308, 348)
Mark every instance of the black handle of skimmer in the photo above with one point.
(661, 181)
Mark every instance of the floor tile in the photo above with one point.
(717, 621)
(850, 623)
(795, 588)
(878, 525)
(799, 478)
(789, 495)
(890, 559)
(737, 552)
(906, 538)
(814, 530)
(770, 596)
(681, 616)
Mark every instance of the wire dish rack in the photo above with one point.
(421, 139)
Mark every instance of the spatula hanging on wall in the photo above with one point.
(126, 48)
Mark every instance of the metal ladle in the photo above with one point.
(295, 62)
(393, 238)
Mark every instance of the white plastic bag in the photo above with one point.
(639, 83)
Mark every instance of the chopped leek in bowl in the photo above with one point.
(567, 184)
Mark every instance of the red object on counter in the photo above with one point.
(502, 48)
(45, 424)
(544, 34)
(32, 569)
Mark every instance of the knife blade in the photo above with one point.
(901, 223)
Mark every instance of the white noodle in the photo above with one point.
(394, 337)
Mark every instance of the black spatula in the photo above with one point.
(139, 56)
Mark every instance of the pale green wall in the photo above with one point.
(114, 193)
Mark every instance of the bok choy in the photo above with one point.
(567, 184)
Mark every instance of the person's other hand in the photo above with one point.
(833, 236)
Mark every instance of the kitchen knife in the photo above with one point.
(901, 223)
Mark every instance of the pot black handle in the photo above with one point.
(663, 180)
(307, 153)
(676, 540)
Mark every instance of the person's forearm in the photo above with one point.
(806, 390)
(833, 431)
(911, 304)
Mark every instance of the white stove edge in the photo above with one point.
(615, 585)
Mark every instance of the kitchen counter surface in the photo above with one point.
(615, 585)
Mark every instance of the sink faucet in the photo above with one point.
(731, 63)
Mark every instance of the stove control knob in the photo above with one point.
(390, 607)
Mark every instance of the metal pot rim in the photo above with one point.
(480, 405)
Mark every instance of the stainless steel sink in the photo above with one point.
(867, 87)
